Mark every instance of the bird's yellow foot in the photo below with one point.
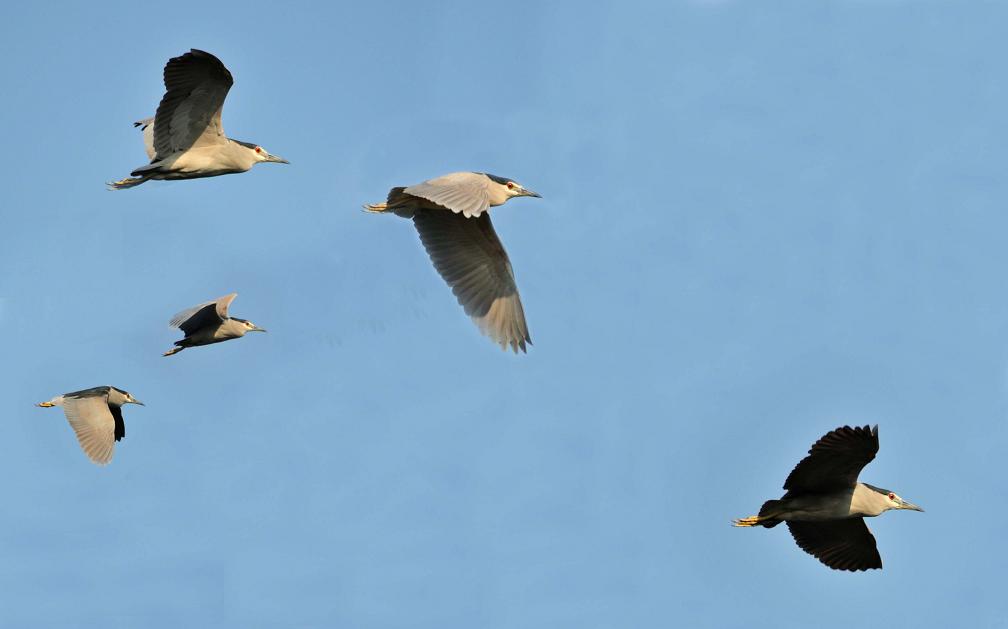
(376, 207)
(46, 404)
(752, 520)
(128, 182)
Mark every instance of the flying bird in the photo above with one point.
(825, 505)
(96, 417)
(209, 323)
(451, 215)
(185, 138)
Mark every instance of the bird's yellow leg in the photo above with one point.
(46, 404)
(753, 520)
(376, 207)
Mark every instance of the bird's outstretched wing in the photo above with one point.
(94, 424)
(204, 315)
(470, 258)
(834, 462)
(463, 193)
(840, 544)
(189, 115)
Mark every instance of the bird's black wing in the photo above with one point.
(471, 259)
(196, 85)
(205, 315)
(834, 462)
(92, 392)
(840, 544)
(120, 425)
(202, 318)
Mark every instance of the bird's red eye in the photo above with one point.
(510, 185)
(892, 496)
(258, 149)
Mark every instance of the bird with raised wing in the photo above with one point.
(825, 505)
(209, 323)
(96, 417)
(185, 138)
(451, 215)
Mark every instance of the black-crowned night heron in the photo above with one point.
(209, 323)
(185, 139)
(96, 416)
(451, 215)
(825, 505)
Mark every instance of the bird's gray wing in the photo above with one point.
(94, 425)
(840, 544)
(189, 115)
(470, 258)
(465, 193)
(147, 128)
(207, 314)
(834, 461)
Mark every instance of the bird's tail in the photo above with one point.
(128, 182)
(174, 350)
(398, 203)
(767, 516)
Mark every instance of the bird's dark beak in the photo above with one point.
(277, 159)
(529, 193)
(139, 402)
(911, 506)
(258, 329)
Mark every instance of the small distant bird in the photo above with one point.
(185, 138)
(825, 506)
(209, 323)
(451, 215)
(96, 416)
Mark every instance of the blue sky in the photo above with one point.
(759, 221)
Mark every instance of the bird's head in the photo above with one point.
(132, 400)
(258, 154)
(261, 155)
(893, 501)
(515, 189)
(248, 326)
(512, 188)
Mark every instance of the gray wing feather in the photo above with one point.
(207, 313)
(834, 461)
(93, 424)
(147, 128)
(840, 544)
(462, 193)
(468, 255)
(196, 85)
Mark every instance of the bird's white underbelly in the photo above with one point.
(206, 161)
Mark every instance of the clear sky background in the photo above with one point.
(759, 221)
